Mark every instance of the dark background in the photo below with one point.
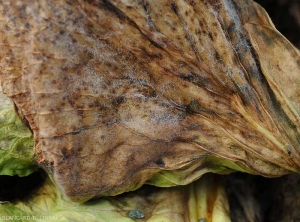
(285, 14)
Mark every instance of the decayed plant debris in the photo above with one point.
(122, 93)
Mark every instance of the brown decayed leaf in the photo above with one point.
(120, 93)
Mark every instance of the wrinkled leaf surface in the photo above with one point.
(119, 93)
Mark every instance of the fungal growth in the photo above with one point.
(120, 93)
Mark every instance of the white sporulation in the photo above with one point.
(151, 118)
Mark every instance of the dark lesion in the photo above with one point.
(174, 8)
(118, 100)
(67, 153)
(188, 34)
(160, 162)
(148, 14)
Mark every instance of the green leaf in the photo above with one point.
(203, 200)
(16, 142)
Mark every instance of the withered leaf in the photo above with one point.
(121, 93)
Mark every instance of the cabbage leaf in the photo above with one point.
(203, 200)
(16, 142)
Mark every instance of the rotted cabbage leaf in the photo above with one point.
(204, 200)
(119, 93)
(16, 142)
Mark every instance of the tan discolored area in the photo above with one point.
(122, 93)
